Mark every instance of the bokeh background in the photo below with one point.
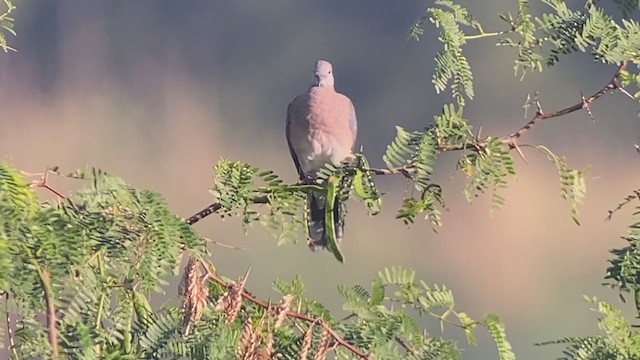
(158, 91)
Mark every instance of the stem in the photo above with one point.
(405, 344)
(483, 35)
(12, 344)
(102, 301)
(45, 277)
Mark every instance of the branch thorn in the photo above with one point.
(587, 106)
(514, 144)
(538, 105)
(478, 134)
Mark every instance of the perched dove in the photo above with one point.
(321, 128)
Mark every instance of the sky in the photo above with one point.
(158, 91)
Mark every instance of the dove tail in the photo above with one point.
(316, 208)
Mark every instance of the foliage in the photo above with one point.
(6, 23)
(540, 41)
(619, 340)
(416, 151)
(573, 185)
(105, 243)
(89, 260)
(624, 271)
(487, 168)
(88, 263)
(237, 186)
(451, 64)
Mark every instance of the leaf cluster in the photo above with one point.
(452, 69)
(540, 39)
(400, 336)
(104, 245)
(563, 28)
(486, 165)
(6, 24)
(87, 264)
(619, 339)
(238, 187)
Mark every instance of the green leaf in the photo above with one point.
(468, 325)
(142, 308)
(486, 169)
(496, 328)
(364, 186)
(16, 192)
(377, 292)
(397, 275)
(573, 186)
(329, 210)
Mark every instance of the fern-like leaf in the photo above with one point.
(451, 64)
(486, 169)
(573, 186)
(496, 328)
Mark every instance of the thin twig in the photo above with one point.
(204, 213)
(45, 277)
(12, 344)
(627, 200)
(225, 245)
(392, 171)
(585, 103)
(44, 182)
(407, 347)
(483, 35)
(215, 207)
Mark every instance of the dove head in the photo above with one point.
(323, 74)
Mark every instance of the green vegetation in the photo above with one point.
(76, 274)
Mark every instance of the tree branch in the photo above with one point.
(584, 104)
(407, 347)
(509, 140)
(291, 314)
(215, 207)
(43, 182)
(45, 278)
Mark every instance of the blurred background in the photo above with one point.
(158, 91)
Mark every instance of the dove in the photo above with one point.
(321, 128)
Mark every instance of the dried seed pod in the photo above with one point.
(248, 341)
(306, 343)
(280, 312)
(195, 292)
(267, 349)
(324, 348)
(231, 301)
